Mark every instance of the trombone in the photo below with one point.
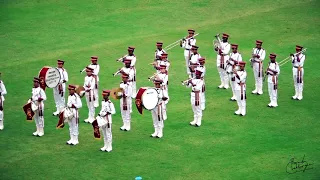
(284, 61)
(153, 76)
(116, 73)
(184, 83)
(120, 59)
(176, 43)
(84, 69)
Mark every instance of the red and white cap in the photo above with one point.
(299, 47)
(157, 81)
(71, 87)
(272, 55)
(225, 35)
(59, 61)
(259, 42)
(106, 92)
(234, 46)
(131, 48)
(94, 58)
(191, 31)
(242, 63)
(159, 44)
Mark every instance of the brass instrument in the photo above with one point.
(151, 78)
(284, 61)
(217, 42)
(116, 93)
(120, 59)
(184, 83)
(176, 43)
(116, 73)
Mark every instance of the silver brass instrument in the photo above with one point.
(186, 81)
(174, 44)
(84, 69)
(217, 42)
(120, 59)
(114, 74)
(284, 61)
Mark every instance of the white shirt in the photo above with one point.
(194, 58)
(261, 52)
(128, 71)
(202, 69)
(63, 75)
(2, 90)
(133, 60)
(127, 89)
(233, 57)
(273, 67)
(89, 83)
(198, 83)
(75, 100)
(96, 70)
(164, 77)
(158, 53)
(107, 108)
(295, 62)
(242, 79)
(38, 93)
(187, 44)
(225, 48)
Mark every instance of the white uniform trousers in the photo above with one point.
(91, 107)
(39, 120)
(241, 101)
(96, 95)
(1, 119)
(107, 133)
(197, 111)
(273, 94)
(298, 85)
(258, 80)
(157, 120)
(232, 83)
(126, 114)
(187, 63)
(74, 126)
(134, 89)
(59, 98)
(223, 77)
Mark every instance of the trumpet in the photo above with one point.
(153, 76)
(186, 81)
(176, 43)
(116, 73)
(284, 61)
(120, 59)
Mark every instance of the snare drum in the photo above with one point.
(34, 106)
(67, 114)
(101, 121)
(147, 98)
(50, 77)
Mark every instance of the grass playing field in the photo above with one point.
(258, 146)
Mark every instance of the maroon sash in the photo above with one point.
(96, 131)
(197, 98)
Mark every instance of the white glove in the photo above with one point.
(119, 93)
(29, 101)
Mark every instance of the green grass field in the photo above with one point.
(258, 146)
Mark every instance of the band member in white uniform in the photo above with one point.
(60, 90)
(240, 87)
(273, 72)
(186, 44)
(74, 103)
(107, 110)
(3, 92)
(298, 72)
(38, 96)
(196, 84)
(258, 55)
(159, 51)
(232, 63)
(222, 57)
(133, 59)
(89, 85)
(164, 77)
(159, 113)
(163, 60)
(202, 69)
(126, 103)
(96, 69)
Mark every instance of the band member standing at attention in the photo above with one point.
(133, 59)
(258, 55)
(273, 72)
(107, 109)
(3, 92)
(196, 85)
(38, 96)
(235, 58)
(159, 113)
(127, 70)
(159, 51)
(89, 85)
(222, 57)
(240, 87)
(163, 76)
(74, 103)
(163, 60)
(202, 69)
(60, 90)
(298, 72)
(187, 43)
(126, 103)
(96, 69)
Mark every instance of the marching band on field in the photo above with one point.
(230, 65)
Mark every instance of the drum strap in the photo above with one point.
(159, 112)
(1, 105)
(242, 91)
(60, 90)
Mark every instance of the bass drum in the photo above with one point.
(147, 98)
(50, 77)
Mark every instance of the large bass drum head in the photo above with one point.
(150, 99)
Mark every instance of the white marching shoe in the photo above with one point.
(71, 139)
(75, 140)
(36, 133)
(1, 125)
(91, 120)
(243, 111)
(122, 128)
(155, 132)
(41, 132)
(299, 96)
(160, 133)
(254, 91)
(56, 113)
(86, 120)
(237, 112)
(127, 126)
(193, 122)
(198, 123)
(269, 105)
(233, 98)
(109, 147)
(295, 95)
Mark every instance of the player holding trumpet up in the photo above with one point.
(96, 69)
(187, 43)
(126, 102)
(202, 69)
(297, 62)
(273, 72)
(258, 55)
